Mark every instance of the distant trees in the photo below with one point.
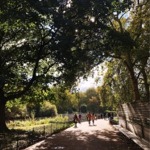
(93, 102)
(64, 100)
(117, 86)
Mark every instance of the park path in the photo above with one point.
(101, 136)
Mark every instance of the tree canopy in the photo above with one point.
(54, 42)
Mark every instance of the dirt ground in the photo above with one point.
(100, 136)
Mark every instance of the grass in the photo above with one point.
(26, 132)
(30, 123)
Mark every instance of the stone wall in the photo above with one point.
(136, 118)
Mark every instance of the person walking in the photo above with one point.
(93, 118)
(75, 119)
(80, 118)
(109, 116)
(89, 117)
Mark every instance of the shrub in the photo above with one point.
(48, 110)
(15, 110)
(28, 124)
(83, 108)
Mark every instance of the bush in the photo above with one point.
(83, 108)
(28, 124)
(47, 110)
(15, 110)
(70, 111)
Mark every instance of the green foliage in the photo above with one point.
(47, 109)
(63, 99)
(128, 43)
(32, 115)
(15, 109)
(140, 30)
(48, 42)
(83, 108)
(117, 87)
(42, 109)
(29, 124)
(59, 118)
(93, 101)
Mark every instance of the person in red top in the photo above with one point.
(93, 118)
(89, 117)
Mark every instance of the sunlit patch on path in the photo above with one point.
(101, 136)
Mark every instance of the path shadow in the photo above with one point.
(94, 140)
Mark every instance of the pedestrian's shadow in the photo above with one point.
(92, 125)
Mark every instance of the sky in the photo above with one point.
(90, 82)
(85, 84)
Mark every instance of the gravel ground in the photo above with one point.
(100, 136)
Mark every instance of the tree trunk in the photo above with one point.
(134, 82)
(3, 126)
(146, 84)
(135, 87)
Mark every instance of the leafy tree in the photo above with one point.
(65, 99)
(49, 42)
(83, 108)
(72, 101)
(128, 43)
(140, 33)
(47, 110)
(116, 86)
(22, 49)
(93, 105)
(16, 110)
(93, 101)
(30, 48)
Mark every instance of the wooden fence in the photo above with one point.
(21, 140)
(136, 118)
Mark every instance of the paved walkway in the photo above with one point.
(101, 136)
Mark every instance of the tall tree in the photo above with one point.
(92, 100)
(116, 86)
(128, 42)
(48, 41)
